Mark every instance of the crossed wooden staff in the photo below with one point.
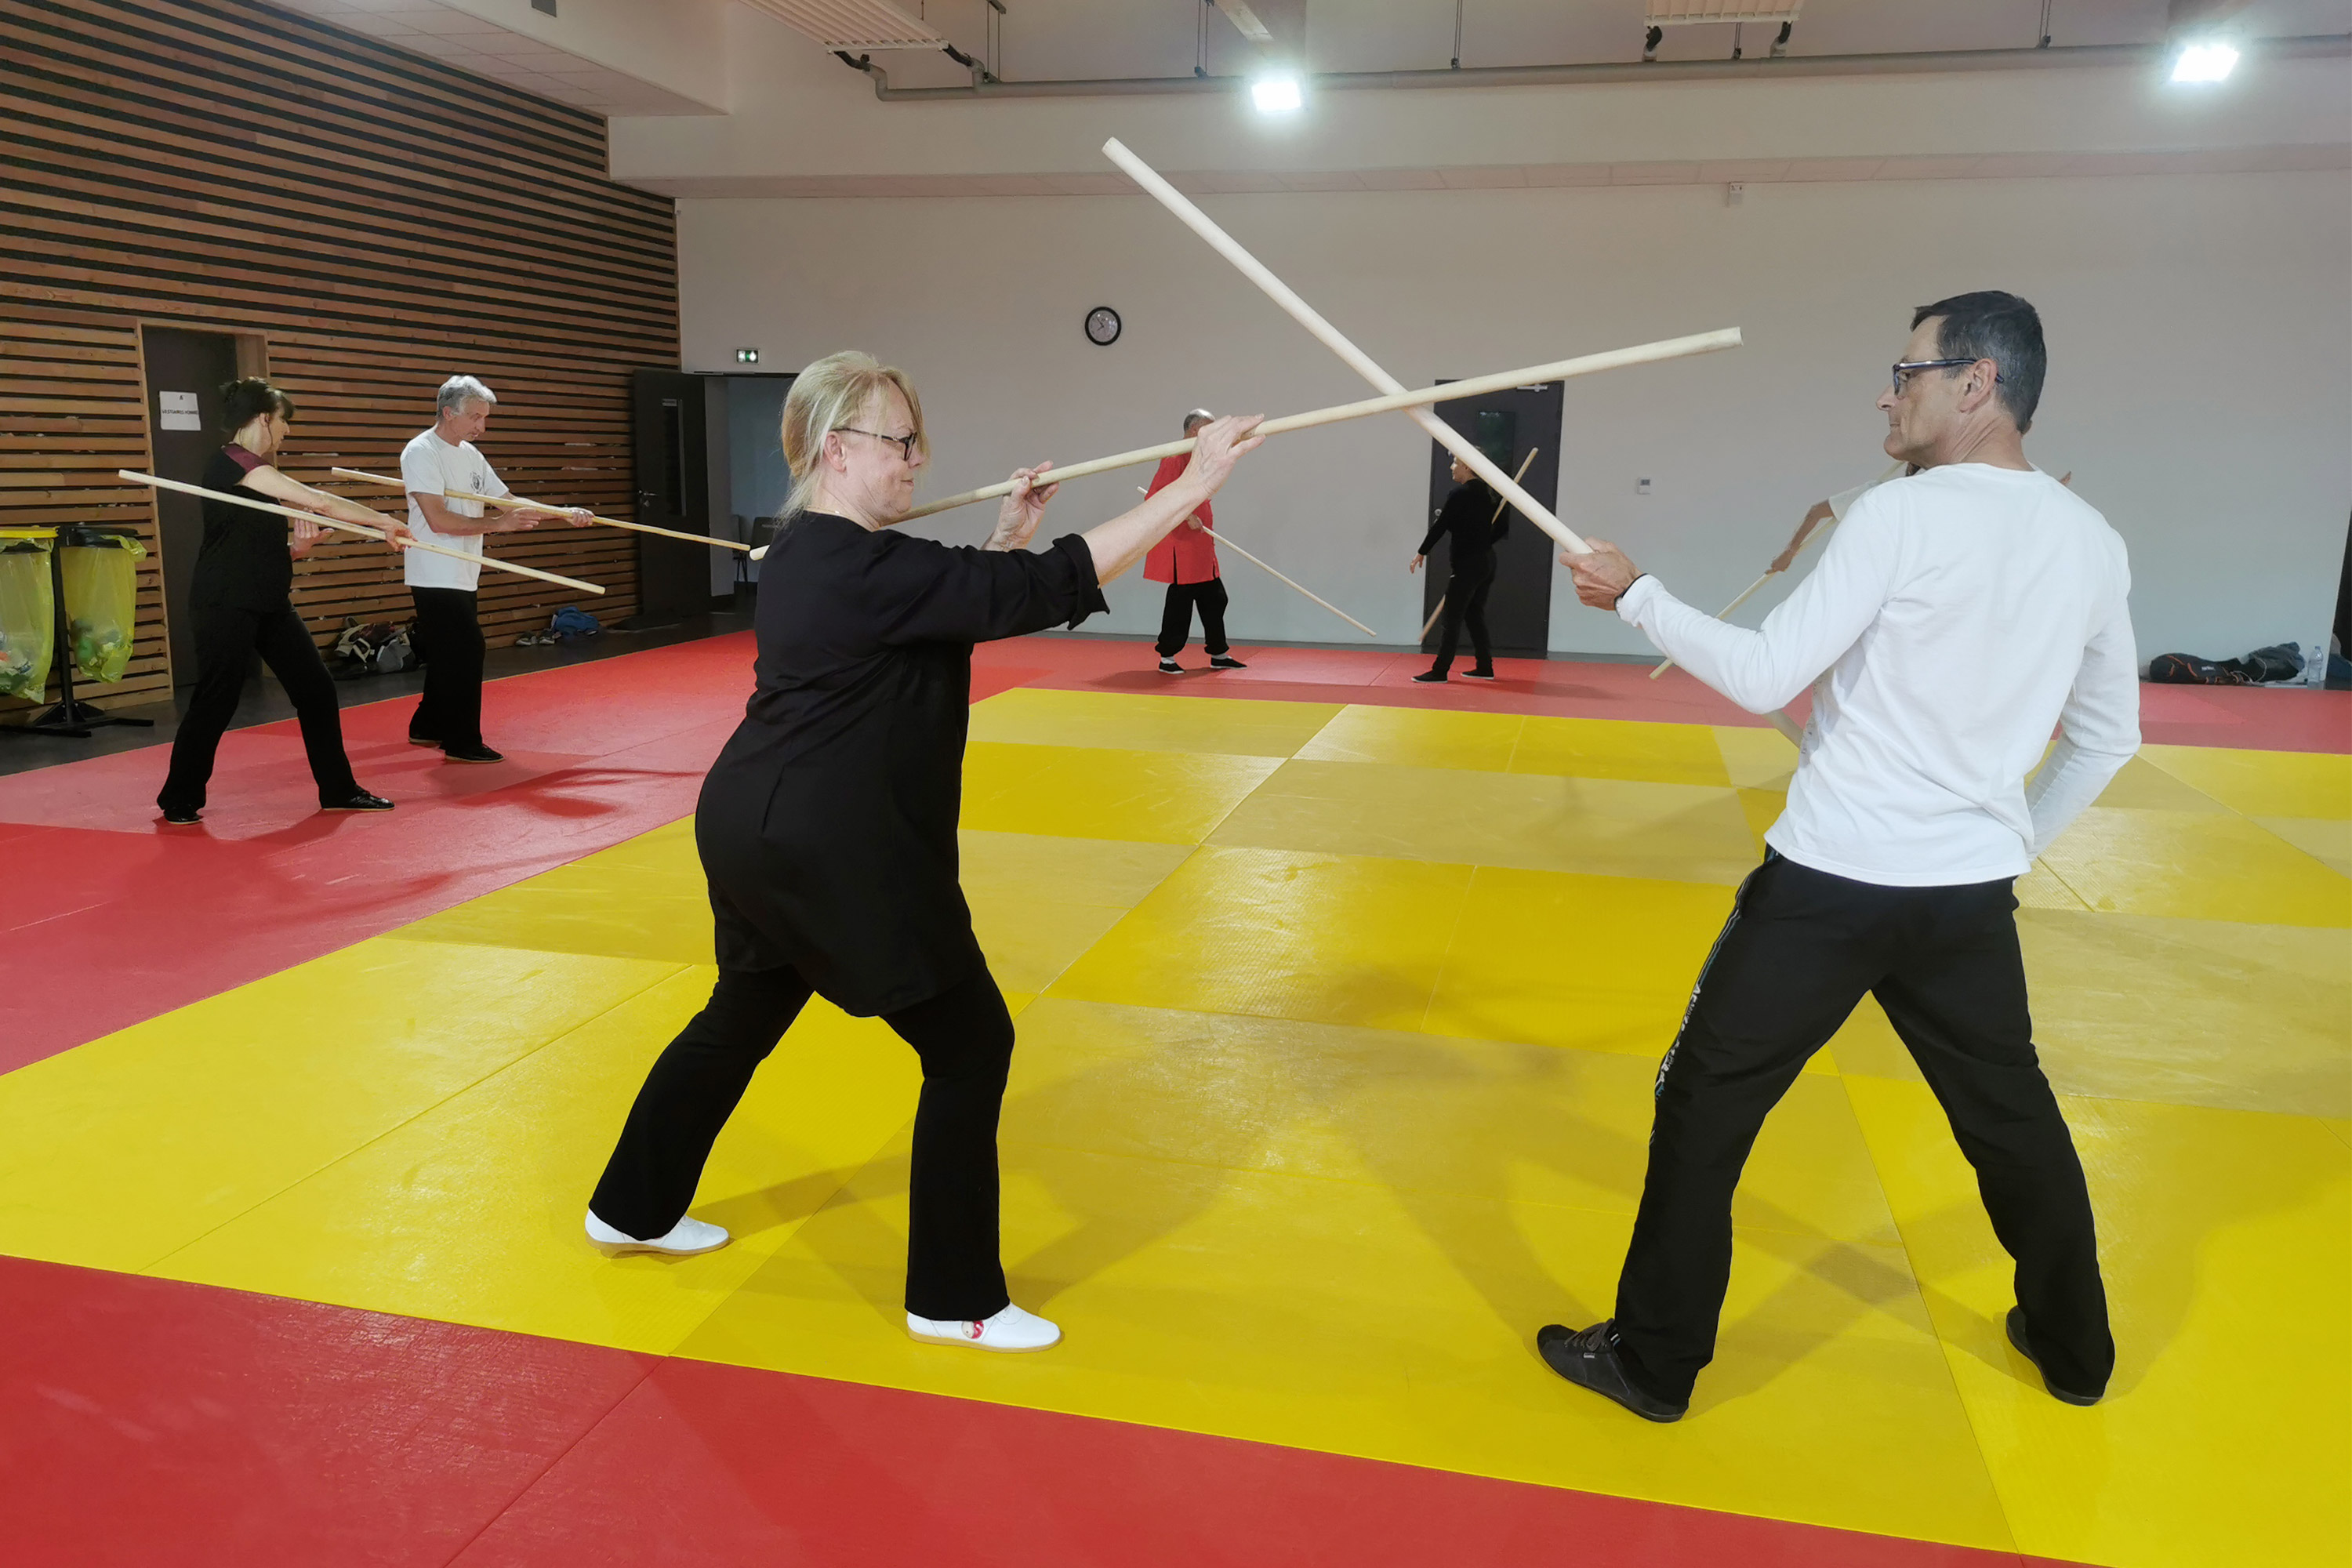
(154, 482)
(1477, 387)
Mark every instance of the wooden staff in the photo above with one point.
(1559, 370)
(1308, 592)
(1745, 594)
(521, 503)
(1525, 464)
(1331, 337)
(364, 533)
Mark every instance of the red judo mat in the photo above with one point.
(146, 1421)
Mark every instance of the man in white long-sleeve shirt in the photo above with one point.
(1957, 615)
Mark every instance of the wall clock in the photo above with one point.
(1102, 326)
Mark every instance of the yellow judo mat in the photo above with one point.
(1337, 1033)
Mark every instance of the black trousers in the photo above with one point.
(1465, 599)
(1176, 618)
(449, 638)
(1801, 948)
(964, 1037)
(227, 640)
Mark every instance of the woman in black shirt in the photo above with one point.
(827, 828)
(1473, 518)
(242, 598)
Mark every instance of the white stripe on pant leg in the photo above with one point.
(1730, 925)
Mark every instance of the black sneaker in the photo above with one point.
(2016, 1338)
(1170, 667)
(1588, 1358)
(477, 752)
(1431, 677)
(358, 800)
(181, 815)
(1477, 675)
(1225, 662)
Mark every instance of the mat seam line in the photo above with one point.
(1943, 1346)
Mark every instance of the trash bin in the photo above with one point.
(102, 593)
(28, 632)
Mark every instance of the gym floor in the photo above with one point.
(1340, 1000)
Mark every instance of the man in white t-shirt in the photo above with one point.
(437, 466)
(1957, 615)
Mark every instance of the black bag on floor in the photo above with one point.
(2280, 661)
(374, 647)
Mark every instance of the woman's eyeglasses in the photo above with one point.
(1901, 374)
(905, 444)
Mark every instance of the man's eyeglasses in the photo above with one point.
(1904, 370)
(905, 444)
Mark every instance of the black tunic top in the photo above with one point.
(244, 562)
(1468, 515)
(829, 825)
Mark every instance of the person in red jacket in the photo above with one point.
(1187, 561)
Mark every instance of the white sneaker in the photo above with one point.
(1010, 1330)
(686, 1239)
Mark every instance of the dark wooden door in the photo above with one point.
(673, 491)
(185, 373)
(1504, 424)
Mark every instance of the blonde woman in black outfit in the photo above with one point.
(242, 598)
(827, 828)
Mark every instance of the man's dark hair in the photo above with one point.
(249, 398)
(2003, 329)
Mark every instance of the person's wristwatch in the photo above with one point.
(1626, 589)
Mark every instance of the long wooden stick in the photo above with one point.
(364, 533)
(1331, 337)
(1477, 386)
(1226, 538)
(1223, 538)
(524, 503)
(1525, 464)
(1745, 593)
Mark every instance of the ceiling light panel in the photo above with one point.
(852, 24)
(1686, 12)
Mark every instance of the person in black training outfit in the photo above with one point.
(242, 598)
(827, 828)
(1472, 519)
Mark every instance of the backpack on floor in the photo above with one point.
(374, 647)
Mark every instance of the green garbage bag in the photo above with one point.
(102, 583)
(27, 629)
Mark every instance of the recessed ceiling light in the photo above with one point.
(1276, 94)
(2204, 62)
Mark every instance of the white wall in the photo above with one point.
(2201, 387)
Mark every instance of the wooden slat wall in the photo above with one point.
(383, 221)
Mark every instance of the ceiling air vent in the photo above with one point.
(852, 24)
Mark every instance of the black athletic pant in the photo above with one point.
(449, 639)
(1466, 599)
(1176, 618)
(964, 1037)
(1801, 948)
(227, 640)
